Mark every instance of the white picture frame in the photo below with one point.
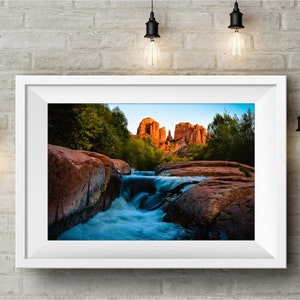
(34, 250)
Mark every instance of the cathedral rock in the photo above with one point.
(185, 133)
(150, 127)
(190, 133)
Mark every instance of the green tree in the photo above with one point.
(231, 138)
(61, 120)
(95, 127)
(244, 149)
(222, 135)
(120, 132)
(88, 127)
(142, 154)
(191, 151)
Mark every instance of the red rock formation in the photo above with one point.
(235, 221)
(190, 133)
(162, 135)
(217, 207)
(199, 134)
(185, 133)
(202, 168)
(149, 127)
(205, 203)
(80, 183)
(169, 138)
(122, 166)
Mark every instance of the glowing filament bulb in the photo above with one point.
(153, 53)
(236, 49)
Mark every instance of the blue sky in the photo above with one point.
(169, 115)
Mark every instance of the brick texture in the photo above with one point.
(33, 40)
(58, 21)
(66, 61)
(106, 37)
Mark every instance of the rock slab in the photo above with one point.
(80, 184)
(122, 166)
(203, 168)
(221, 207)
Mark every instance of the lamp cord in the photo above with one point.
(151, 5)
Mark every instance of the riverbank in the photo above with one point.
(138, 212)
(80, 184)
(210, 199)
(222, 207)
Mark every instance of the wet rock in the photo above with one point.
(235, 221)
(122, 166)
(221, 207)
(80, 184)
(203, 168)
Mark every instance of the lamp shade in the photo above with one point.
(236, 17)
(152, 27)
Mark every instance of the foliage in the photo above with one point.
(172, 157)
(245, 171)
(192, 151)
(88, 127)
(95, 127)
(61, 119)
(142, 154)
(231, 138)
(245, 139)
(222, 134)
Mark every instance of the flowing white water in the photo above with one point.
(137, 214)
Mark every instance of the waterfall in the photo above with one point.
(138, 213)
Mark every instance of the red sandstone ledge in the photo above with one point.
(203, 168)
(80, 184)
(221, 206)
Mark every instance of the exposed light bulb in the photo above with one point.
(153, 52)
(236, 47)
(236, 18)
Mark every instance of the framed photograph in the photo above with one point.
(151, 172)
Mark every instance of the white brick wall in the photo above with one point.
(62, 60)
(106, 37)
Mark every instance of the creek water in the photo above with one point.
(138, 213)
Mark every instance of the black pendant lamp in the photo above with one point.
(152, 26)
(152, 34)
(236, 23)
(236, 18)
